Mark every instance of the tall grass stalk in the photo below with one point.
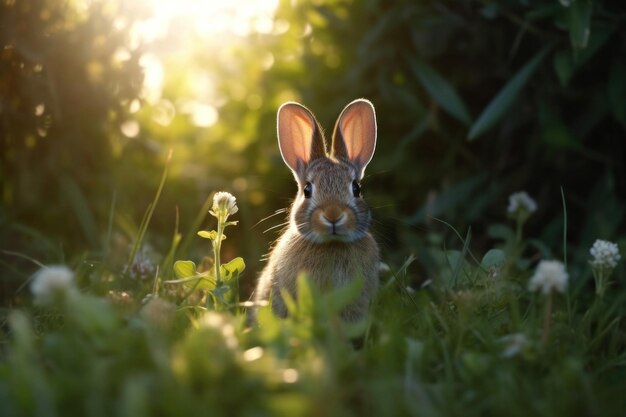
(150, 211)
(547, 318)
(107, 240)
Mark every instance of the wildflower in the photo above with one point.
(224, 204)
(50, 282)
(514, 344)
(549, 276)
(605, 258)
(142, 267)
(605, 254)
(521, 206)
(521, 202)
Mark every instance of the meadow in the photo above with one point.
(498, 196)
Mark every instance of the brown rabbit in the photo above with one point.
(328, 235)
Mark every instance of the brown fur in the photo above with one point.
(328, 265)
(328, 235)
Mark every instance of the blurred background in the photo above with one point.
(475, 100)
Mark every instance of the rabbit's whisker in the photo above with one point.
(276, 227)
(276, 213)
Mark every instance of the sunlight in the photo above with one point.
(208, 17)
(175, 27)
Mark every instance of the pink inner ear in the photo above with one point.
(354, 126)
(358, 128)
(295, 134)
(301, 128)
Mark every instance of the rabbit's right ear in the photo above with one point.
(299, 137)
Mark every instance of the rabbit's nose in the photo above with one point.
(334, 218)
(332, 213)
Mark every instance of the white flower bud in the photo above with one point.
(605, 254)
(521, 201)
(224, 203)
(51, 281)
(549, 276)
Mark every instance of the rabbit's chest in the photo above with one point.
(332, 264)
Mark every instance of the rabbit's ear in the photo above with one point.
(299, 136)
(354, 137)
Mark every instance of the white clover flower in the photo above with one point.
(51, 281)
(514, 344)
(549, 276)
(521, 201)
(224, 203)
(605, 254)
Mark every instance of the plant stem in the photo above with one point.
(547, 319)
(217, 244)
(598, 274)
(518, 231)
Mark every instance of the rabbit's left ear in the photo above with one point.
(354, 137)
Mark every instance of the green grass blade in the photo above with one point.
(78, 203)
(107, 240)
(499, 105)
(150, 211)
(184, 246)
(167, 264)
(564, 228)
(440, 90)
(459, 262)
(456, 232)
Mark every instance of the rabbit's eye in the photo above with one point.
(356, 189)
(308, 190)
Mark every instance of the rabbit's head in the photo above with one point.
(329, 205)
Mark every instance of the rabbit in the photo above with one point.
(328, 234)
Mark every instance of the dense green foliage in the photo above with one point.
(475, 100)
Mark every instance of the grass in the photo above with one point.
(472, 342)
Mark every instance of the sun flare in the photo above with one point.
(209, 18)
(174, 28)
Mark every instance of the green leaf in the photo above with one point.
(187, 274)
(290, 302)
(566, 63)
(563, 66)
(493, 257)
(208, 234)
(184, 269)
(340, 297)
(579, 18)
(440, 90)
(232, 269)
(306, 295)
(505, 98)
(457, 271)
